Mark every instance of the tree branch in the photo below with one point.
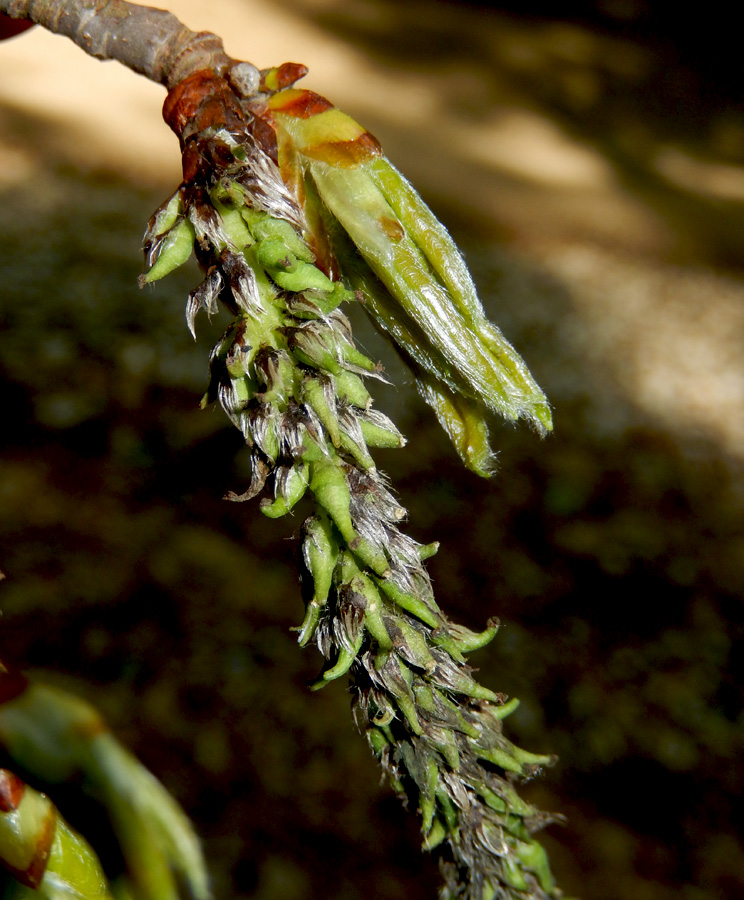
(150, 41)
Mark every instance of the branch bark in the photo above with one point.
(152, 42)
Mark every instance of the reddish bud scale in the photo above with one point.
(282, 76)
(301, 104)
(203, 100)
(11, 790)
(336, 138)
(33, 858)
(35, 872)
(11, 27)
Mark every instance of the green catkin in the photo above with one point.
(289, 375)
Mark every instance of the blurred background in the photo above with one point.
(591, 166)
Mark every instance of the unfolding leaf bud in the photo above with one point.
(463, 421)
(40, 849)
(428, 305)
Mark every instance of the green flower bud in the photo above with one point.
(344, 661)
(411, 645)
(317, 392)
(408, 707)
(455, 678)
(445, 742)
(328, 484)
(173, 252)
(467, 641)
(512, 874)
(311, 304)
(314, 346)
(350, 387)
(447, 712)
(426, 610)
(351, 574)
(435, 836)
(377, 740)
(264, 227)
(378, 430)
(305, 276)
(426, 551)
(161, 222)
(500, 757)
(506, 709)
(276, 377)
(290, 486)
(427, 795)
(233, 227)
(354, 359)
(352, 439)
(274, 254)
(534, 857)
(320, 553)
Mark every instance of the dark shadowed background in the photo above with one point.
(591, 168)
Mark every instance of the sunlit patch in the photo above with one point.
(700, 176)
